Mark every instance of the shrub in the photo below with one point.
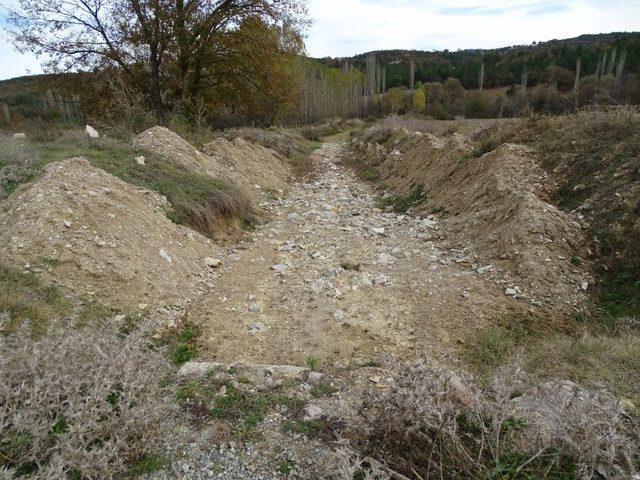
(438, 425)
(477, 105)
(80, 403)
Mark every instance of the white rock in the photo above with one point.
(212, 262)
(165, 255)
(338, 314)
(315, 378)
(311, 413)
(19, 135)
(485, 269)
(585, 285)
(140, 160)
(376, 230)
(253, 307)
(67, 223)
(365, 281)
(257, 327)
(382, 279)
(428, 223)
(91, 132)
(511, 292)
(385, 258)
(279, 267)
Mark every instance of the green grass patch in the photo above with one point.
(24, 298)
(370, 175)
(149, 463)
(402, 203)
(285, 467)
(323, 389)
(301, 427)
(249, 409)
(312, 362)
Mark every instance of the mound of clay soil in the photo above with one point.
(250, 167)
(496, 207)
(99, 236)
(259, 165)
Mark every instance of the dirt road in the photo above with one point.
(334, 277)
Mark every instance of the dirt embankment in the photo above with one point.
(101, 237)
(495, 207)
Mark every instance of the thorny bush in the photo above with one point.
(434, 424)
(79, 403)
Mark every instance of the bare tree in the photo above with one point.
(412, 74)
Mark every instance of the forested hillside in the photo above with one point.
(542, 62)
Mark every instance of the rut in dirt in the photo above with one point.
(334, 277)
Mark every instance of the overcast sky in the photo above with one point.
(346, 27)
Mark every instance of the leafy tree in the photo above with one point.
(395, 99)
(419, 100)
(170, 49)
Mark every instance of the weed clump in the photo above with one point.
(432, 424)
(80, 403)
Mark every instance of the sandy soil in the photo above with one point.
(319, 281)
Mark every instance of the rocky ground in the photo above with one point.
(335, 282)
(334, 277)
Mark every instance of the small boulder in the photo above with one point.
(315, 378)
(212, 262)
(311, 413)
(91, 132)
(19, 135)
(140, 160)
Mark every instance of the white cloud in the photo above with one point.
(347, 27)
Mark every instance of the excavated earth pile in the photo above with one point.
(252, 168)
(99, 236)
(494, 207)
(262, 167)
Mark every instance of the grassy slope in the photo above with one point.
(198, 200)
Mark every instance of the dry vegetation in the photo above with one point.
(432, 424)
(80, 402)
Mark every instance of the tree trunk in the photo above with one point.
(156, 92)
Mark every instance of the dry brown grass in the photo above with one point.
(79, 403)
(430, 424)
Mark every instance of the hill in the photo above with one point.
(505, 66)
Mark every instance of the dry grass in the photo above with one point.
(79, 403)
(428, 424)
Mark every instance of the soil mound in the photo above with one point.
(172, 146)
(252, 168)
(256, 164)
(496, 207)
(99, 236)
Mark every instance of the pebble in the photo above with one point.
(212, 262)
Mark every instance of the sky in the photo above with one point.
(347, 27)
